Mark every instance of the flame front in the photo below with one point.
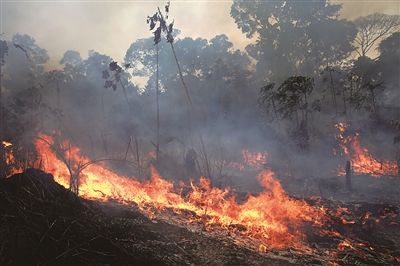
(362, 161)
(272, 216)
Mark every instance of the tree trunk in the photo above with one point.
(348, 177)
(158, 113)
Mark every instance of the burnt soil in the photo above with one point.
(42, 223)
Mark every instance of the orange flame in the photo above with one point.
(254, 159)
(10, 158)
(362, 161)
(272, 216)
(344, 245)
(6, 144)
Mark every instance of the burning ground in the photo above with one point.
(120, 220)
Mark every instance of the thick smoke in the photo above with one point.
(223, 85)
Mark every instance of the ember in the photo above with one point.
(6, 144)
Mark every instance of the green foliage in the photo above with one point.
(158, 18)
(266, 101)
(36, 55)
(388, 64)
(290, 97)
(73, 65)
(113, 80)
(293, 37)
(287, 102)
(217, 77)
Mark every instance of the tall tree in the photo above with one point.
(26, 59)
(376, 80)
(388, 64)
(25, 66)
(158, 22)
(292, 36)
(37, 56)
(218, 77)
(73, 66)
(372, 28)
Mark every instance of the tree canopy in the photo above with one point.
(373, 27)
(293, 37)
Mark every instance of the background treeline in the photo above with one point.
(306, 71)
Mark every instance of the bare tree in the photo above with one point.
(372, 28)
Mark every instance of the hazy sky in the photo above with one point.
(109, 27)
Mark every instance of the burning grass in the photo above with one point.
(271, 216)
(362, 161)
(48, 224)
(42, 223)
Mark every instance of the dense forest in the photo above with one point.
(177, 101)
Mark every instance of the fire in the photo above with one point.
(256, 158)
(367, 215)
(339, 213)
(344, 245)
(271, 216)
(6, 144)
(9, 157)
(152, 155)
(262, 248)
(253, 159)
(362, 162)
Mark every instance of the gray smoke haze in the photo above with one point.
(101, 123)
(110, 27)
(354, 9)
